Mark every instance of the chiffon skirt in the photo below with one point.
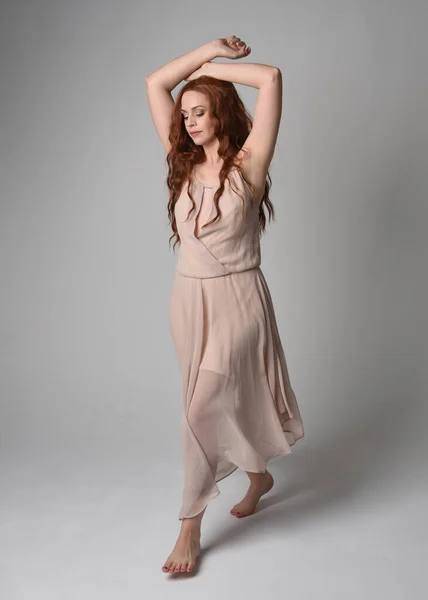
(238, 406)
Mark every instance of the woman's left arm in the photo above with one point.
(261, 141)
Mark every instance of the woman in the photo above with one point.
(239, 409)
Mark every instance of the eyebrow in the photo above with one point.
(197, 106)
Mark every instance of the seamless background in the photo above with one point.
(90, 403)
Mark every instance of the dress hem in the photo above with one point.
(217, 491)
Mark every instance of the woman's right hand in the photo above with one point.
(232, 47)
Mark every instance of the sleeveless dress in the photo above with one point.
(239, 409)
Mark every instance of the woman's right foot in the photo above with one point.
(260, 485)
(185, 552)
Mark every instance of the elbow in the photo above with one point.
(272, 76)
(275, 73)
(151, 78)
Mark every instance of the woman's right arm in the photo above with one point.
(177, 70)
(160, 83)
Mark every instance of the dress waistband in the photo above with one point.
(216, 276)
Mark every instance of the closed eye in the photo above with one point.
(198, 115)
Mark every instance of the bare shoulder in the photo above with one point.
(254, 172)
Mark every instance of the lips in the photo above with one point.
(194, 132)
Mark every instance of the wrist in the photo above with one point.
(210, 51)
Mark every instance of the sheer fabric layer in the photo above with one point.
(239, 408)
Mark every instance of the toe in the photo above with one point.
(166, 566)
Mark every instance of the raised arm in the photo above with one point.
(260, 143)
(174, 72)
(160, 83)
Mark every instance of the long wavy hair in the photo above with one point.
(232, 124)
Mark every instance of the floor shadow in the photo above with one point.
(329, 474)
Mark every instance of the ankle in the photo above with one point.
(257, 478)
(190, 528)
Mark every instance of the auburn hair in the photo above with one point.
(232, 125)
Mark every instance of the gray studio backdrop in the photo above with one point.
(90, 387)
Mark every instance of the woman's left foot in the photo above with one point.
(261, 485)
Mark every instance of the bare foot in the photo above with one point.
(185, 552)
(259, 486)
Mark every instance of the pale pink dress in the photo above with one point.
(239, 409)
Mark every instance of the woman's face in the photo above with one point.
(195, 111)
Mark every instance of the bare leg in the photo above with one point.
(187, 546)
(260, 483)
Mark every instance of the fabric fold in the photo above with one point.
(239, 408)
